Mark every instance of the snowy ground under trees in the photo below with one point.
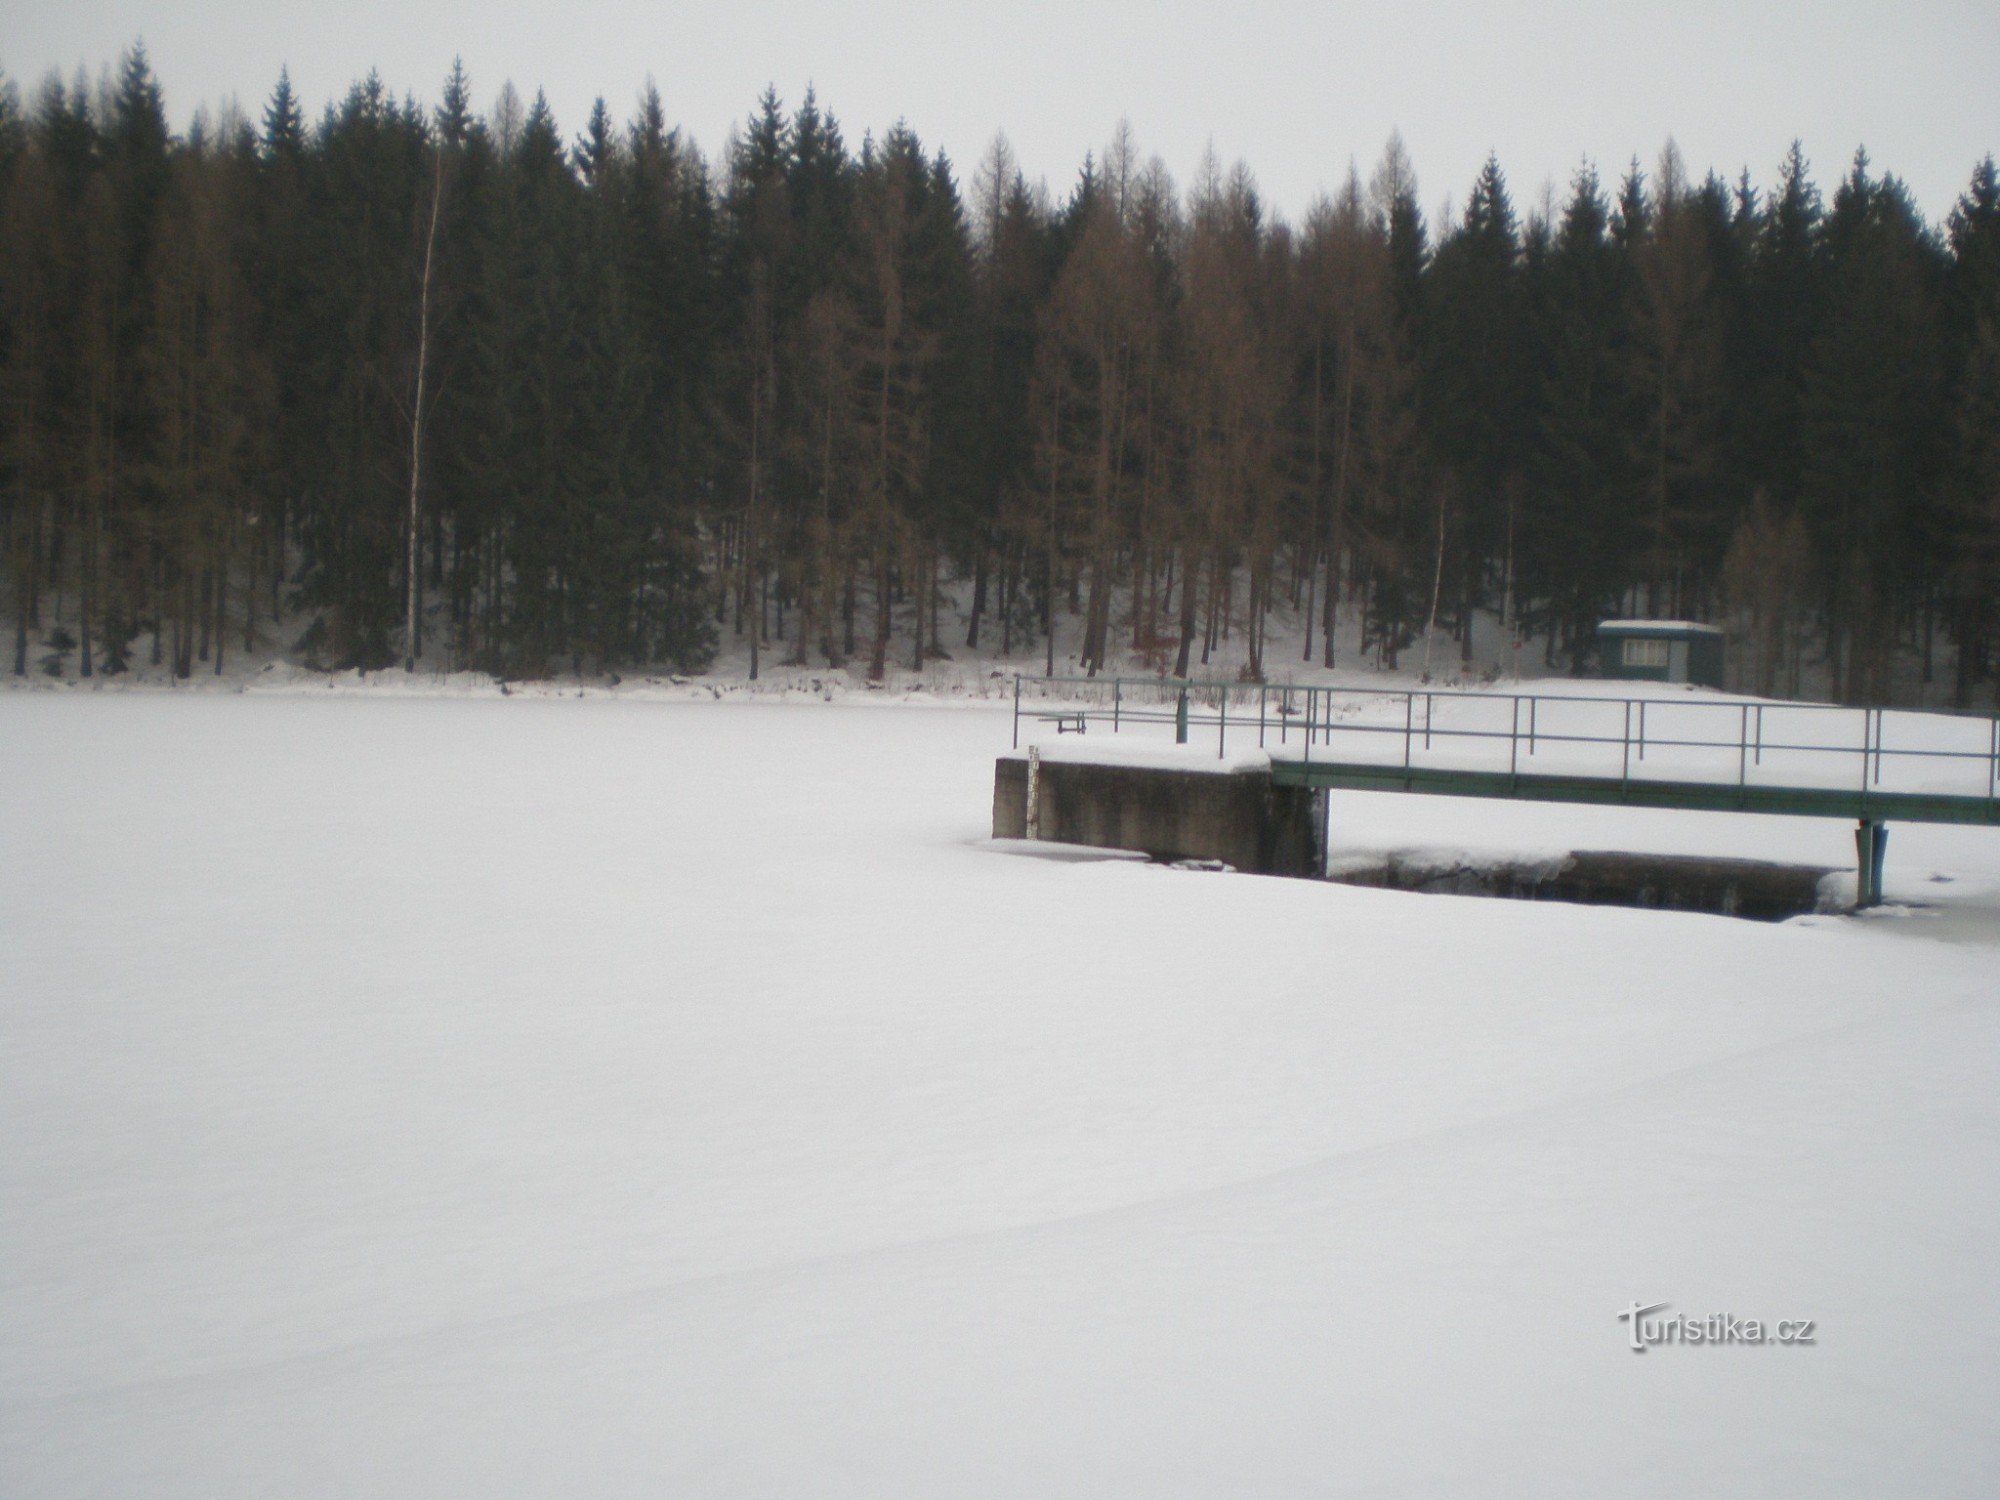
(435, 1097)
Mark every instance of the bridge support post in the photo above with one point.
(1871, 844)
(1032, 822)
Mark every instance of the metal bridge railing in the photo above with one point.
(1311, 717)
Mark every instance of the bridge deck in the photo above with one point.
(1693, 752)
(1714, 796)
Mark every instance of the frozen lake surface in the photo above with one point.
(439, 1097)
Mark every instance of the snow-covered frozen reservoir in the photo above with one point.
(450, 1097)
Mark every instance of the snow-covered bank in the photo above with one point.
(952, 682)
(942, 682)
(959, 674)
(451, 1097)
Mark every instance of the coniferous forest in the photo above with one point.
(413, 382)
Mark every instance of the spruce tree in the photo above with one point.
(1475, 343)
(1872, 422)
(1576, 542)
(1969, 530)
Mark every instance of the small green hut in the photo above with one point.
(1661, 651)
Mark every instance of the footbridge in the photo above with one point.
(1692, 751)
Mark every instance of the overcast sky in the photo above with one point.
(1295, 89)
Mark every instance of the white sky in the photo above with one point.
(1296, 89)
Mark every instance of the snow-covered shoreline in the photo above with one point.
(951, 682)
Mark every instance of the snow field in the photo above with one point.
(468, 1097)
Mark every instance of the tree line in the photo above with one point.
(416, 383)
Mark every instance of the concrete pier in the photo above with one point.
(1238, 816)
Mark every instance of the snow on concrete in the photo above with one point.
(464, 1097)
(1106, 749)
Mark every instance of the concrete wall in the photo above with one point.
(1238, 817)
(1678, 882)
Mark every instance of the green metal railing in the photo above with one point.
(1312, 716)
